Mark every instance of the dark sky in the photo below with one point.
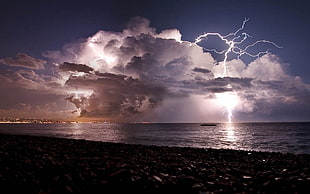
(34, 27)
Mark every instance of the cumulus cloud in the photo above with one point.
(25, 93)
(179, 68)
(66, 66)
(130, 72)
(23, 60)
(139, 74)
(114, 96)
(271, 88)
(171, 34)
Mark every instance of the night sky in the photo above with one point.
(137, 60)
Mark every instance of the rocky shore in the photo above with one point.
(51, 165)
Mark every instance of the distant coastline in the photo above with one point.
(46, 121)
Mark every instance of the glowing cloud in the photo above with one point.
(227, 99)
(138, 74)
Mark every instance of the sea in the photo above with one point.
(271, 137)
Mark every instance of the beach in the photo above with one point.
(32, 164)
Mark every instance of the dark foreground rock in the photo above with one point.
(52, 165)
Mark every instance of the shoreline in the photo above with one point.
(39, 164)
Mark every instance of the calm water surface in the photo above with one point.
(275, 137)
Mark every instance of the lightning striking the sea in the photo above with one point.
(233, 41)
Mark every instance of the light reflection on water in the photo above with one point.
(229, 129)
(77, 129)
(279, 137)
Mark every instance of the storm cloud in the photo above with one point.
(115, 96)
(66, 66)
(24, 60)
(178, 69)
(141, 74)
(24, 93)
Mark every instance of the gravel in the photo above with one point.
(30, 164)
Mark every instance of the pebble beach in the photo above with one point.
(32, 164)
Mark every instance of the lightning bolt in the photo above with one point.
(233, 41)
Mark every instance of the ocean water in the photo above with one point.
(271, 137)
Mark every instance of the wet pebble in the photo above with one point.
(50, 165)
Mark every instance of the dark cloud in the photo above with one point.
(66, 66)
(111, 75)
(23, 60)
(22, 79)
(201, 70)
(219, 85)
(14, 97)
(115, 96)
(25, 93)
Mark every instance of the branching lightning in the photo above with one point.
(233, 41)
